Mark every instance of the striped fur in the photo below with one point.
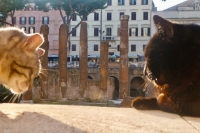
(19, 58)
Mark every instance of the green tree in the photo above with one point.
(81, 8)
(8, 8)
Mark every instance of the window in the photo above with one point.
(31, 30)
(111, 53)
(109, 3)
(45, 20)
(120, 14)
(133, 15)
(22, 20)
(96, 16)
(73, 47)
(133, 47)
(120, 2)
(132, 2)
(145, 15)
(96, 48)
(118, 47)
(31, 20)
(74, 17)
(14, 20)
(109, 16)
(144, 47)
(144, 2)
(66, 19)
(73, 31)
(108, 31)
(133, 32)
(145, 31)
(96, 31)
(23, 28)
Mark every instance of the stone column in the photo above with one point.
(83, 58)
(103, 65)
(44, 30)
(123, 74)
(63, 36)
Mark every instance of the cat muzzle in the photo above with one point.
(148, 73)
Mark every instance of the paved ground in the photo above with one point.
(42, 118)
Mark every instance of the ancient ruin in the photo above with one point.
(110, 80)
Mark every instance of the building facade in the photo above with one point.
(105, 23)
(187, 12)
(139, 12)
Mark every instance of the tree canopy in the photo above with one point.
(8, 8)
(81, 8)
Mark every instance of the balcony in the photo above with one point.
(108, 38)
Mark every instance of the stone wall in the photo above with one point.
(93, 91)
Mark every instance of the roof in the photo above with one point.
(187, 3)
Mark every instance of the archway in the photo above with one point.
(116, 91)
(136, 87)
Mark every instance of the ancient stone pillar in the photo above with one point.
(83, 58)
(63, 35)
(123, 74)
(103, 65)
(44, 30)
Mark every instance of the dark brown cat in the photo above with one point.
(19, 58)
(173, 64)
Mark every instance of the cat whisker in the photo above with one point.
(40, 77)
(44, 69)
(43, 74)
(4, 92)
(10, 101)
(19, 97)
(6, 96)
(15, 98)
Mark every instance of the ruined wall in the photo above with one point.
(92, 92)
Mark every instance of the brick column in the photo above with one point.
(44, 30)
(63, 36)
(103, 65)
(83, 58)
(123, 74)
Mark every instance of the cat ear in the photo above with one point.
(40, 51)
(34, 41)
(163, 26)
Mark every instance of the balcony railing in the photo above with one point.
(111, 38)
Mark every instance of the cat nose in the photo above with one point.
(29, 88)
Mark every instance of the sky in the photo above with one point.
(168, 3)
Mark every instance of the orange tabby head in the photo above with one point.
(19, 58)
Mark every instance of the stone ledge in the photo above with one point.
(32, 118)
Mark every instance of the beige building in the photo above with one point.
(139, 12)
(185, 13)
(139, 26)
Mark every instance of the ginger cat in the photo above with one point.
(19, 58)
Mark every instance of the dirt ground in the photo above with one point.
(42, 118)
